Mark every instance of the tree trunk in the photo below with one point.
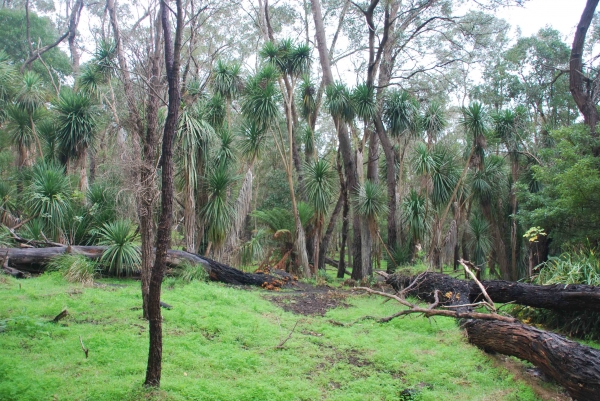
(574, 366)
(163, 236)
(342, 265)
(580, 85)
(572, 297)
(35, 260)
(324, 246)
(342, 130)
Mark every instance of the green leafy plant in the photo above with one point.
(75, 268)
(190, 272)
(122, 257)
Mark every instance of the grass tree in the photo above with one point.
(260, 105)
(508, 128)
(193, 135)
(227, 82)
(49, 198)
(251, 139)
(371, 204)
(30, 97)
(77, 121)
(319, 176)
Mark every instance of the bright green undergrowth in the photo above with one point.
(220, 344)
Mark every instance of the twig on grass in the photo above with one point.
(282, 343)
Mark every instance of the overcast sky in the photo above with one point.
(562, 15)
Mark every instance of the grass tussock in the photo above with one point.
(75, 268)
(220, 343)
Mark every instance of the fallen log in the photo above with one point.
(559, 297)
(572, 365)
(34, 260)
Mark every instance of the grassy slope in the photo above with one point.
(220, 345)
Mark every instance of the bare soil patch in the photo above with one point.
(307, 299)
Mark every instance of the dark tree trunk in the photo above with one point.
(345, 212)
(572, 365)
(580, 84)
(562, 297)
(163, 236)
(328, 233)
(35, 260)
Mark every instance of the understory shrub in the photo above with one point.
(190, 272)
(579, 266)
(75, 268)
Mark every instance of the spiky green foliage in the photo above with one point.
(475, 122)
(580, 266)
(48, 197)
(261, 99)
(91, 79)
(253, 249)
(226, 80)
(289, 58)
(279, 220)
(77, 120)
(445, 173)
(319, 185)
(215, 110)
(338, 101)
(122, 257)
(371, 200)
(413, 212)
(251, 139)
(105, 57)
(434, 119)
(226, 152)
(31, 93)
(218, 211)
(307, 96)
(401, 113)
(479, 241)
(189, 272)
(75, 268)
(489, 182)
(18, 124)
(363, 102)
(8, 199)
(8, 78)
(192, 137)
(47, 132)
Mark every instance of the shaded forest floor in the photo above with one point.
(224, 343)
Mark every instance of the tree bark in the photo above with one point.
(342, 130)
(35, 260)
(572, 365)
(329, 231)
(580, 85)
(163, 236)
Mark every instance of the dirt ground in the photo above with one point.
(306, 299)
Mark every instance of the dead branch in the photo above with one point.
(464, 264)
(435, 312)
(85, 350)
(60, 316)
(282, 343)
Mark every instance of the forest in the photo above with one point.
(250, 162)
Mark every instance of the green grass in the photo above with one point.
(220, 344)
